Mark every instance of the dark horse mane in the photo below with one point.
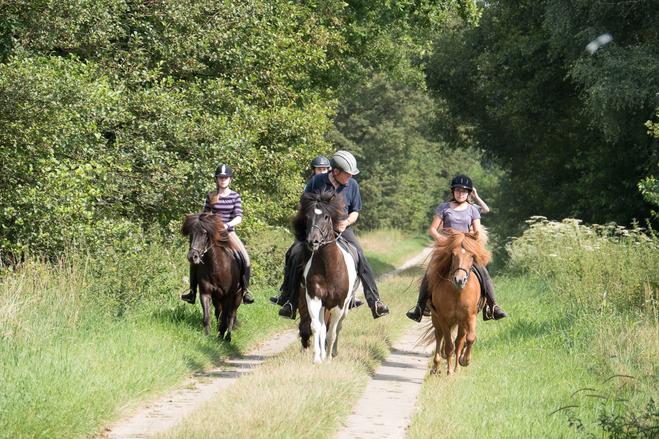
(472, 242)
(327, 201)
(212, 224)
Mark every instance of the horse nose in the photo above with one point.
(313, 244)
(460, 282)
(193, 257)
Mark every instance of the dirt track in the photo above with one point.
(383, 411)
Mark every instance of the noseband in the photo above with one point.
(323, 234)
(453, 272)
(201, 252)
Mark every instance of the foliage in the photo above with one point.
(603, 267)
(404, 172)
(568, 126)
(113, 115)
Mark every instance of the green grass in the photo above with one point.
(85, 342)
(388, 249)
(72, 362)
(535, 362)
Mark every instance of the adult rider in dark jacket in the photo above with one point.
(339, 179)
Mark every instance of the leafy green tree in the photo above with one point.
(567, 125)
(404, 172)
(114, 113)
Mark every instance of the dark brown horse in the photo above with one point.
(330, 277)
(455, 295)
(217, 269)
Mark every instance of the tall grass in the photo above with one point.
(605, 267)
(85, 340)
(290, 397)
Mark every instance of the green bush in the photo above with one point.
(606, 267)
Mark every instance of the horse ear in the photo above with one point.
(331, 200)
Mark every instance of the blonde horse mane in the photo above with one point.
(474, 243)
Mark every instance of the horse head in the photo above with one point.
(204, 229)
(462, 263)
(456, 253)
(314, 223)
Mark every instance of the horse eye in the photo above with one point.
(326, 217)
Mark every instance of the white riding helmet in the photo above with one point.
(345, 162)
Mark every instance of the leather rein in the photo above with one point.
(453, 272)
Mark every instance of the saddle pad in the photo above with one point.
(345, 245)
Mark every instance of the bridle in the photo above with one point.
(453, 272)
(324, 233)
(201, 252)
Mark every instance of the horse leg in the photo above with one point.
(437, 360)
(322, 334)
(223, 322)
(315, 307)
(449, 349)
(465, 359)
(459, 344)
(205, 306)
(232, 312)
(339, 325)
(305, 323)
(219, 316)
(336, 314)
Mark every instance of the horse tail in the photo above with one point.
(427, 337)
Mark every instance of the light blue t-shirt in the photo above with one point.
(458, 220)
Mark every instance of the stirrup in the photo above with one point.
(375, 312)
(282, 312)
(248, 299)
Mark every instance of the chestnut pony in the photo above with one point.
(213, 256)
(455, 295)
(330, 277)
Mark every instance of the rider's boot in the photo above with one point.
(417, 312)
(355, 303)
(287, 311)
(379, 309)
(491, 311)
(280, 299)
(190, 297)
(247, 298)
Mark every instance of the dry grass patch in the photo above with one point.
(290, 397)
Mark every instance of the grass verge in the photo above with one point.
(544, 357)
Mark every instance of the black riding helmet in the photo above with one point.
(462, 181)
(320, 162)
(223, 171)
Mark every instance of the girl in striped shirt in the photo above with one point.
(228, 205)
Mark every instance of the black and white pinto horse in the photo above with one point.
(330, 275)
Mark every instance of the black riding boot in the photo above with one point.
(417, 312)
(247, 298)
(490, 310)
(191, 297)
(281, 298)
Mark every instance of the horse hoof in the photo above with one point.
(464, 363)
(435, 373)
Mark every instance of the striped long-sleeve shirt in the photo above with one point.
(228, 207)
